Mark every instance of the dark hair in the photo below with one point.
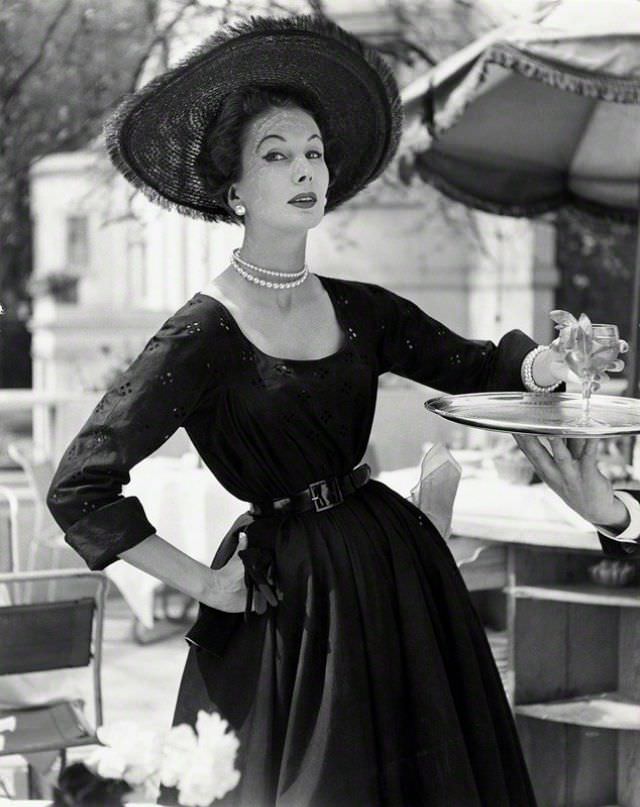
(219, 161)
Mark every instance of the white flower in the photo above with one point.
(180, 743)
(107, 762)
(213, 734)
(210, 772)
(202, 766)
(152, 787)
(202, 783)
(139, 749)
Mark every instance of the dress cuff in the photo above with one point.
(632, 532)
(103, 533)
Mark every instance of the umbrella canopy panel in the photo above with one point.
(522, 147)
(540, 114)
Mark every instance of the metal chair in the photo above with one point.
(10, 497)
(39, 472)
(53, 635)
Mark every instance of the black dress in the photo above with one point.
(371, 683)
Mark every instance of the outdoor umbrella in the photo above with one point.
(540, 114)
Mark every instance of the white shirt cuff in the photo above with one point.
(632, 532)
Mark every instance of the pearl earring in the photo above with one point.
(240, 210)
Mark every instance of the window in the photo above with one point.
(77, 243)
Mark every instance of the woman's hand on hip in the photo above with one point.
(225, 588)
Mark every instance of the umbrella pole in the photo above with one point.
(634, 340)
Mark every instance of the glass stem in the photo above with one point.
(586, 398)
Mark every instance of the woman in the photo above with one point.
(362, 675)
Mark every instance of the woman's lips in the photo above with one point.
(304, 200)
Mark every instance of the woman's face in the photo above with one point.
(284, 177)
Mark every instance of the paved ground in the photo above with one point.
(139, 683)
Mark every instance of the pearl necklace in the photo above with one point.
(246, 265)
(241, 266)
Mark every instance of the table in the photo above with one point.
(188, 507)
(487, 507)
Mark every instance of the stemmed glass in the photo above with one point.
(588, 350)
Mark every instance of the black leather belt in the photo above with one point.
(318, 496)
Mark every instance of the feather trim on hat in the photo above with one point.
(115, 125)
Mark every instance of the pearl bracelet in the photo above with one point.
(527, 372)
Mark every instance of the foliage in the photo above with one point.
(63, 65)
(60, 285)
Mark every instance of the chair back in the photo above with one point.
(39, 636)
(39, 472)
(46, 636)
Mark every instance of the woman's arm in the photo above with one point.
(543, 374)
(412, 344)
(223, 589)
(172, 378)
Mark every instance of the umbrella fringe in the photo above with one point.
(539, 208)
(602, 88)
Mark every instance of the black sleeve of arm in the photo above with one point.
(414, 345)
(146, 405)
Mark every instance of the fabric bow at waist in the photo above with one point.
(213, 628)
(259, 523)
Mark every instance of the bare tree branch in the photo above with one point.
(159, 38)
(51, 28)
(317, 7)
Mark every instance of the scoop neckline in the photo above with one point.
(282, 359)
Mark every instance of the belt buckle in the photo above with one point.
(325, 494)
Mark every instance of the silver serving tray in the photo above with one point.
(539, 413)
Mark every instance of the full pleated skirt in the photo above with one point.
(372, 683)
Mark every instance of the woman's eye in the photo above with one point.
(314, 154)
(274, 156)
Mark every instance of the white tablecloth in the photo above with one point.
(490, 508)
(188, 507)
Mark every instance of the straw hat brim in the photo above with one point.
(155, 135)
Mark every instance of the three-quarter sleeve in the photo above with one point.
(414, 345)
(163, 386)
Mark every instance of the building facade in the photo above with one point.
(136, 263)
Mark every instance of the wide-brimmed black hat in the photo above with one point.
(155, 135)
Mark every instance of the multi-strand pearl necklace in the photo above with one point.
(246, 270)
